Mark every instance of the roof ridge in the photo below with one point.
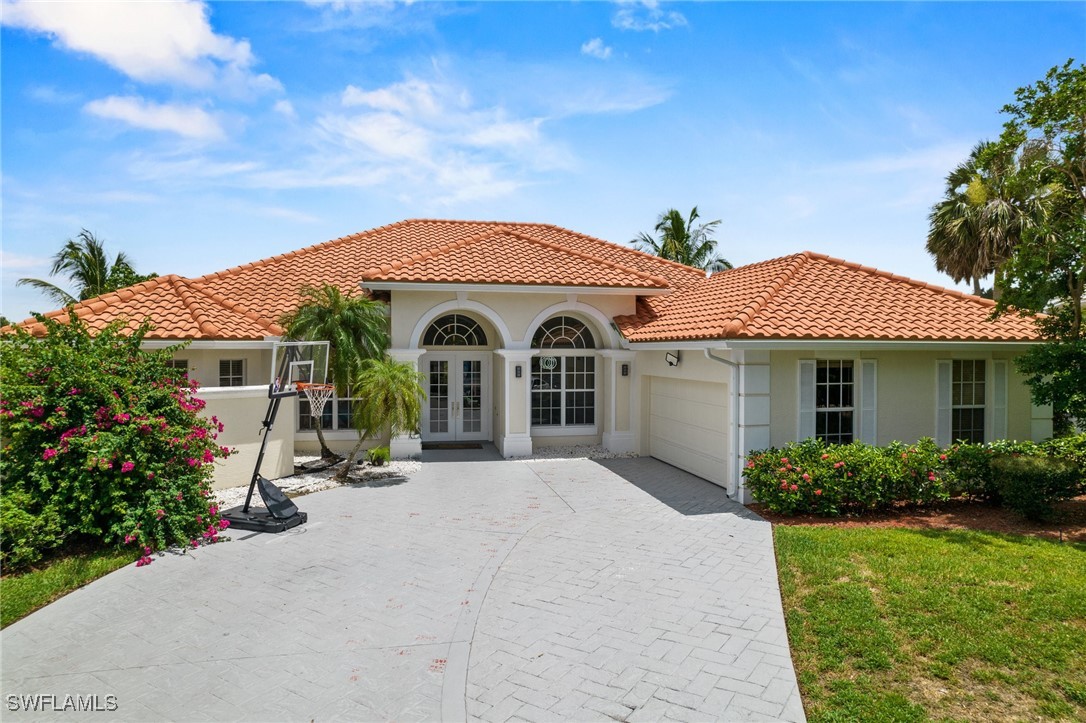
(631, 249)
(898, 277)
(747, 314)
(432, 252)
(187, 294)
(590, 257)
(104, 300)
(233, 306)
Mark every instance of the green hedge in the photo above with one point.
(815, 477)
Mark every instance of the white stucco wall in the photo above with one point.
(203, 364)
(241, 411)
(906, 400)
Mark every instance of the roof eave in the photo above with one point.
(511, 288)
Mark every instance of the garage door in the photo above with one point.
(688, 426)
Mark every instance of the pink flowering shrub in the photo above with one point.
(97, 440)
(826, 479)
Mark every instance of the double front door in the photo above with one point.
(457, 406)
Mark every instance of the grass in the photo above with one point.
(913, 625)
(22, 594)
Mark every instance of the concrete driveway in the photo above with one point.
(493, 590)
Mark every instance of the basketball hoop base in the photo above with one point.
(256, 520)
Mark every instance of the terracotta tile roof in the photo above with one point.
(504, 256)
(812, 296)
(244, 302)
(178, 308)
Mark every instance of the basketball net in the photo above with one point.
(318, 395)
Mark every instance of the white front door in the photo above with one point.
(457, 406)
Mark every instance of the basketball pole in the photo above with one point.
(269, 420)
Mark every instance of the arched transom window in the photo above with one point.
(563, 376)
(454, 330)
(563, 332)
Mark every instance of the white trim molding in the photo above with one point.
(512, 288)
(603, 323)
(460, 304)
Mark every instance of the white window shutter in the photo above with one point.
(944, 370)
(806, 398)
(999, 399)
(868, 394)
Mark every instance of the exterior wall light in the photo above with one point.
(672, 358)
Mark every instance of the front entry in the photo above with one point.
(457, 406)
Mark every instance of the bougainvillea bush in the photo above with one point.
(102, 443)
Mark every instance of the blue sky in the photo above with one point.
(197, 136)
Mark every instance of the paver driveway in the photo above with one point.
(494, 590)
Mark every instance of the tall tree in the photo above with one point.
(678, 239)
(985, 210)
(1047, 272)
(355, 327)
(88, 269)
(389, 398)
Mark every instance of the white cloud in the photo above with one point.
(170, 42)
(285, 108)
(596, 49)
(49, 94)
(10, 261)
(646, 15)
(187, 121)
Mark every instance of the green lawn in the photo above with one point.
(22, 594)
(909, 625)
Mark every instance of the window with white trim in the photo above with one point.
(178, 364)
(834, 400)
(837, 400)
(563, 377)
(337, 414)
(231, 372)
(967, 394)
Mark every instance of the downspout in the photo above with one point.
(733, 490)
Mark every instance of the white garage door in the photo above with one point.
(688, 426)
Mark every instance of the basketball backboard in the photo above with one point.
(297, 361)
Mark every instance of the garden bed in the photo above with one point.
(1068, 524)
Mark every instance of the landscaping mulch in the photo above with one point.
(1069, 522)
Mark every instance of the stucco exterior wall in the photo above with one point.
(906, 398)
(241, 411)
(203, 364)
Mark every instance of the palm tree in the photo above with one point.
(986, 208)
(355, 326)
(389, 398)
(680, 240)
(88, 268)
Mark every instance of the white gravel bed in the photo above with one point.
(574, 452)
(301, 484)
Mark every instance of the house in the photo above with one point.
(531, 335)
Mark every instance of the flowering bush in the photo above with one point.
(815, 477)
(812, 476)
(102, 442)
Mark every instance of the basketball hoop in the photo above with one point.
(318, 395)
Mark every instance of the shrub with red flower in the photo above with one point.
(101, 465)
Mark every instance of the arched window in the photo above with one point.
(563, 332)
(454, 330)
(563, 380)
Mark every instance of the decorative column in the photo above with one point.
(618, 434)
(409, 445)
(514, 436)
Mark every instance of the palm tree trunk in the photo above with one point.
(977, 291)
(325, 451)
(341, 475)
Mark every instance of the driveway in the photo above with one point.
(494, 590)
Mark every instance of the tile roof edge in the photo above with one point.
(631, 249)
(272, 327)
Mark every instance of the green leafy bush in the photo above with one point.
(102, 442)
(815, 477)
(378, 456)
(812, 476)
(1032, 486)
